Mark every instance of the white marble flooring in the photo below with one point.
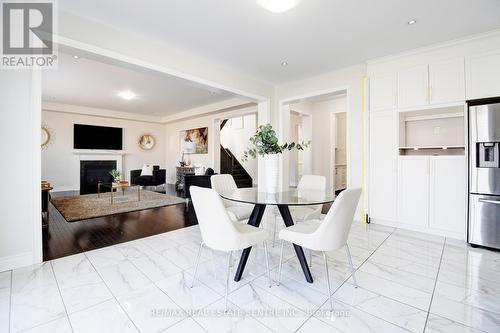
(407, 282)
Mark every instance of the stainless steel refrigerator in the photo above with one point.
(483, 227)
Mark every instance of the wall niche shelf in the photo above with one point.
(438, 131)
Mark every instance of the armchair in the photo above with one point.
(159, 177)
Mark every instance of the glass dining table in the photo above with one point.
(283, 200)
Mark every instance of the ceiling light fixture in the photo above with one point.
(284, 63)
(278, 6)
(411, 22)
(75, 57)
(127, 95)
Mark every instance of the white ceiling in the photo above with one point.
(96, 83)
(314, 37)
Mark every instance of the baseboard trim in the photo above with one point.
(63, 189)
(16, 261)
(437, 232)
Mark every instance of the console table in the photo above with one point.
(179, 176)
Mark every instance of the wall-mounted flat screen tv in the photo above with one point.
(97, 137)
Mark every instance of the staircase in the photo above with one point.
(229, 164)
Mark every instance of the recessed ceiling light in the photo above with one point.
(75, 57)
(127, 95)
(278, 6)
(411, 22)
(284, 63)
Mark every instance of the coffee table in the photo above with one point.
(122, 186)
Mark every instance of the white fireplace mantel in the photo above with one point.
(96, 155)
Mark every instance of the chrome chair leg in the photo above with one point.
(197, 263)
(275, 228)
(349, 258)
(267, 264)
(214, 269)
(227, 279)
(328, 281)
(281, 263)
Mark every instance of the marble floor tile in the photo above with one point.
(61, 325)
(150, 309)
(155, 266)
(123, 278)
(35, 297)
(213, 319)
(401, 277)
(300, 294)
(107, 317)
(268, 309)
(401, 293)
(436, 324)
(469, 278)
(409, 255)
(79, 283)
(184, 257)
(405, 265)
(486, 300)
(187, 325)
(346, 318)
(395, 312)
(177, 287)
(465, 314)
(5, 281)
(317, 326)
(216, 280)
(108, 256)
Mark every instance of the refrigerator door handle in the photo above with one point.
(490, 201)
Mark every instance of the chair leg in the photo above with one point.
(227, 279)
(197, 263)
(281, 262)
(328, 281)
(349, 258)
(214, 270)
(275, 229)
(267, 264)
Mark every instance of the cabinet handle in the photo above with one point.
(490, 201)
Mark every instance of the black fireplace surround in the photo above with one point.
(92, 172)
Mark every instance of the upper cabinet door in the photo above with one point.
(413, 86)
(482, 74)
(383, 92)
(447, 81)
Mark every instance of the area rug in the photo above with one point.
(82, 207)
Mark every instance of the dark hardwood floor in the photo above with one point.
(66, 238)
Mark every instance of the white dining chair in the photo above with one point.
(327, 235)
(219, 233)
(225, 183)
(303, 213)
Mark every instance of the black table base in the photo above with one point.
(255, 219)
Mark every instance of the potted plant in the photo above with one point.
(116, 175)
(265, 143)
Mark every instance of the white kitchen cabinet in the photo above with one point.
(447, 193)
(413, 86)
(413, 190)
(383, 166)
(482, 75)
(383, 92)
(446, 81)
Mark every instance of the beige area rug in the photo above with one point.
(82, 207)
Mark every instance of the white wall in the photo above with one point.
(20, 204)
(235, 136)
(61, 167)
(212, 121)
(350, 78)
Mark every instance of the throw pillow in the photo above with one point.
(147, 170)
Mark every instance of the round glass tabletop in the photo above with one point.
(291, 197)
